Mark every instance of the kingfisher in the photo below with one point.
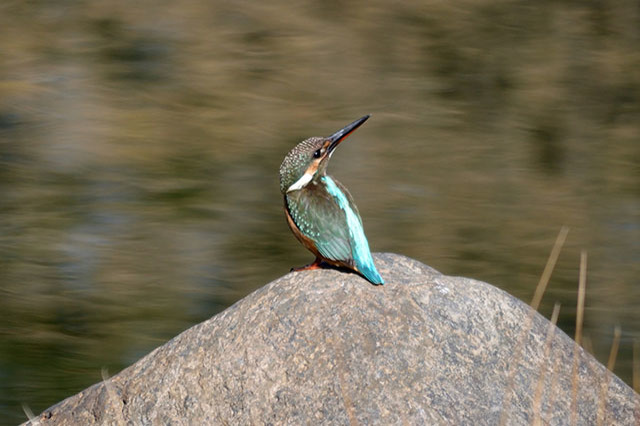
(319, 209)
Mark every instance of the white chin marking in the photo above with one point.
(301, 183)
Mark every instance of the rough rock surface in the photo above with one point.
(327, 347)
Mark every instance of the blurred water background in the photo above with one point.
(140, 144)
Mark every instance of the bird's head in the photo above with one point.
(308, 160)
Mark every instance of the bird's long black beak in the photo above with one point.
(342, 134)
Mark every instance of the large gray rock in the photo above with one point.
(327, 347)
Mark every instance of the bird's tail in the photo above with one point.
(370, 272)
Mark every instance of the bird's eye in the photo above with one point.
(317, 154)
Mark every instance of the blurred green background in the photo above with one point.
(140, 144)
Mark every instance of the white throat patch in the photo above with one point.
(302, 182)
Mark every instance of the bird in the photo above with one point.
(320, 210)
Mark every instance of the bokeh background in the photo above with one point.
(140, 144)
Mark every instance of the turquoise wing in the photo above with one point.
(320, 219)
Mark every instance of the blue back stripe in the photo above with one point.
(359, 244)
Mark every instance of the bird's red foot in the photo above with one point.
(315, 265)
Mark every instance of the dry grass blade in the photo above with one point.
(548, 269)
(613, 354)
(636, 365)
(636, 375)
(582, 285)
(29, 414)
(537, 399)
(537, 297)
(113, 395)
(552, 389)
(587, 343)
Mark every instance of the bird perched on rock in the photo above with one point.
(319, 209)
